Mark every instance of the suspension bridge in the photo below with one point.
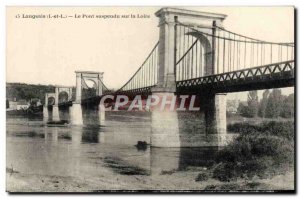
(195, 54)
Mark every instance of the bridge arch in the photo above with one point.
(50, 99)
(63, 96)
(207, 56)
(88, 83)
(89, 88)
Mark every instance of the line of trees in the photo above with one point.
(26, 92)
(272, 105)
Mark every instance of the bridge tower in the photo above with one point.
(55, 110)
(49, 101)
(64, 91)
(165, 129)
(81, 78)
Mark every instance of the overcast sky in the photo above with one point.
(48, 51)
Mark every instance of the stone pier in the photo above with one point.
(55, 109)
(76, 114)
(45, 113)
(215, 119)
(55, 113)
(101, 113)
(164, 123)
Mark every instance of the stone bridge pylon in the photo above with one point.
(166, 131)
(82, 77)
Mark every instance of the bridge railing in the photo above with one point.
(146, 76)
(225, 51)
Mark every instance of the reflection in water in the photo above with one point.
(31, 134)
(202, 157)
(123, 168)
(65, 136)
(89, 150)
(90, 116)
(90, 134)
(164, 159)
(64, 113)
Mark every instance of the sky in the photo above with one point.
(49, 51)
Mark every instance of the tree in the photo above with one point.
(243, 110)
(287, 110)
(249, 110)
(263, 104)
(274, 104)
(27, 91)
(252, 103)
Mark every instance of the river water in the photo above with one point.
(93, 150)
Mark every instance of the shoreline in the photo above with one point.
(21, 182)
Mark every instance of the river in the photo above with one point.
(97, 157)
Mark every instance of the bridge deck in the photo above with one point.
(263, 77)
(270, 76)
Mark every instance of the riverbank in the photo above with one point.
(179, 180)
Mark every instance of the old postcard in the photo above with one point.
(150, 99)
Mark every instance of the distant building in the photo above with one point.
(13, 104)
(22, 105)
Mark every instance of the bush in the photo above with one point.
(202, 177)
(225, 172)
(242, 128)
(281, 129)
(262, 151)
